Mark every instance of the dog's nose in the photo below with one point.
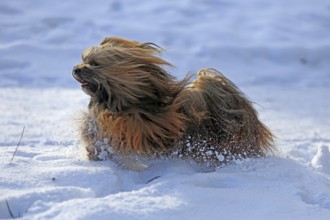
(76, 70)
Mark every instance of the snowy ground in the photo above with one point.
(278, 52)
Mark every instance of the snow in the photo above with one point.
(321, 160)
(277, 52)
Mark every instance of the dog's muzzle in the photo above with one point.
(76, 72)
(87, 86)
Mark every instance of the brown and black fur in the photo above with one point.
(137, 109)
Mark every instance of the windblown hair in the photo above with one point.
(137, 109)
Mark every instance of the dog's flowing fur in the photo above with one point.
(137, 109)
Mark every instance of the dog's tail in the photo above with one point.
(215, 100)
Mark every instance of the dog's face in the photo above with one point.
(121, 74)
(98, 63)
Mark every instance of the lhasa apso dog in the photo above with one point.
(139, 112)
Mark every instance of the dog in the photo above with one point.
(139, 112)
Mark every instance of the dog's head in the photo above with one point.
(123, 74)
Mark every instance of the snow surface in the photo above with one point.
(278, 52)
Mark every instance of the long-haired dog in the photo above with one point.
(138, 111)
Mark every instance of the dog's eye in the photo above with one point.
(93, 63)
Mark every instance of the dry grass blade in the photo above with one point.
(152, 179)
(17, 145)
(9, 210)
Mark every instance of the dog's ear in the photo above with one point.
(115, 41)
(120, 42)
(151, 46)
